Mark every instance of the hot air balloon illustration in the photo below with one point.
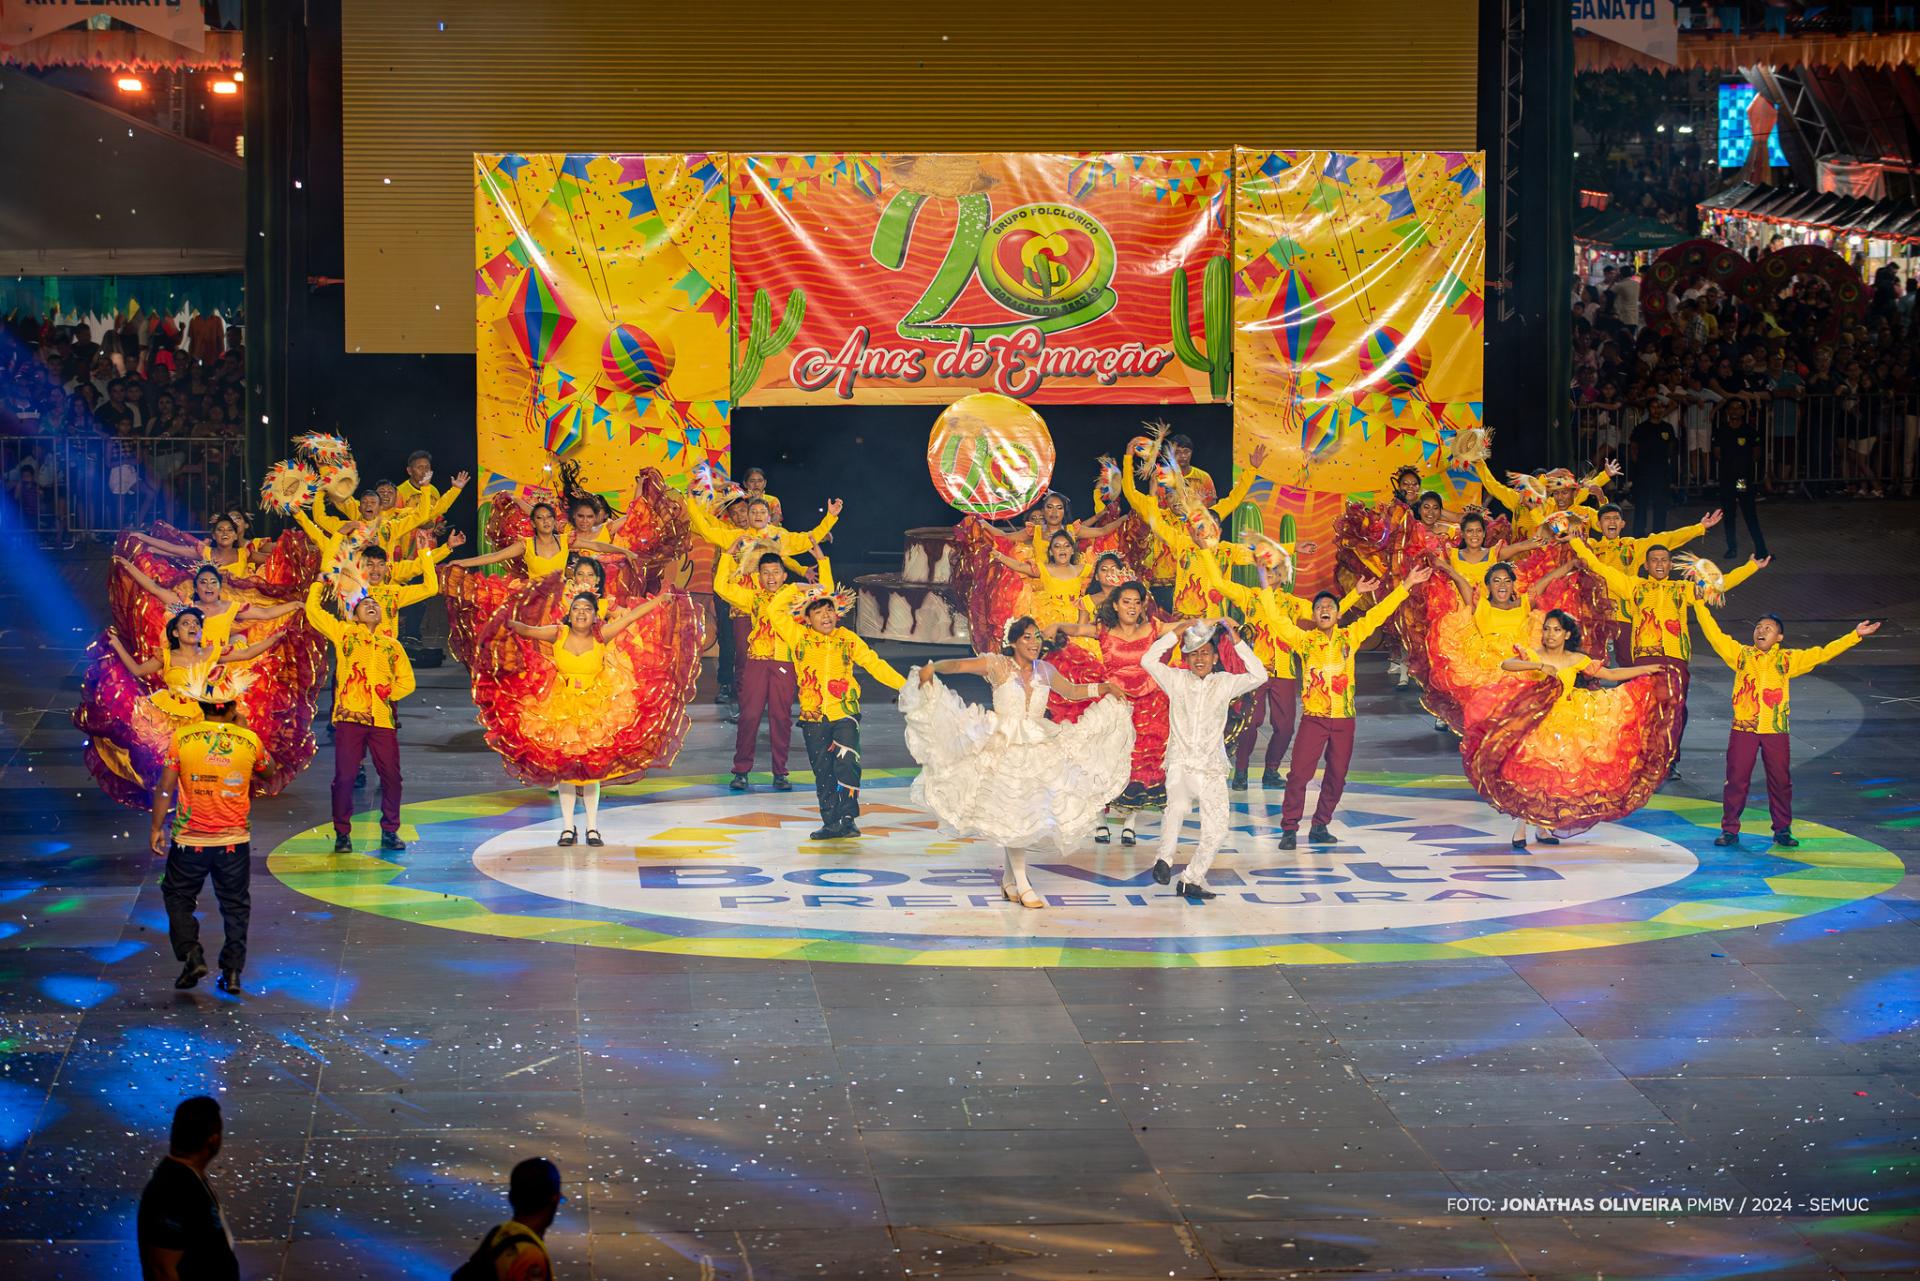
(537, 318)
(635, 361)
(1393, 364)
(1301, 320)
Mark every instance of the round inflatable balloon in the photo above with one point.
(635, 361)
(990, 455)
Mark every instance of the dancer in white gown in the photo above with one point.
(1010, 775)
(1198, 696)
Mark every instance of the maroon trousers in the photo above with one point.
(1612, 642)
(352, 743)
(1273, 702)
(1331, 736)
(765, 686)
(1776, 756)
(742, 624)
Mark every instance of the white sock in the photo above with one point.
(567, 794)
(591, 794)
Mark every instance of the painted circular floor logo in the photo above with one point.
(1423, 870)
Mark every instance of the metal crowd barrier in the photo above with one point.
(1812, 447)
(59, 489)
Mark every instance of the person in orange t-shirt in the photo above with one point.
(211, 766)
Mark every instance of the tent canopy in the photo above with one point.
(1628, 232)
(1882, 219)
(94, 192)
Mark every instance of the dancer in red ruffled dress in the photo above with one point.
(254, 598)
(1563, 756)
(1124, 631)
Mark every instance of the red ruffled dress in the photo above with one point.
(551, 727)
(1562, 756)
(127, 743)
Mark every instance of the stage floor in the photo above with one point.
(756, 1057)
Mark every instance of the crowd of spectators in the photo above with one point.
(108, 423)
(1831, 400)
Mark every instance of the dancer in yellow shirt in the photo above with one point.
(807, 617)
(1325, 653)
(371, 674)
(1763, 673)
(1196, 535)
(1612, 640)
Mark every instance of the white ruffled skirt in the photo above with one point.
(1026, 784)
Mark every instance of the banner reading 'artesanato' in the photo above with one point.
(914, 279)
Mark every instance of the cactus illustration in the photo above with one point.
(1216, 309)
(765, 339)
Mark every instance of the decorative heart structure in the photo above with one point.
(1747, 281)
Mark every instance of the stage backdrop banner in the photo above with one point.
(602, 316)
(1358, 345)
(180, 21)
(916, 279)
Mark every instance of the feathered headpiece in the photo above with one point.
(1272, 557)
(1107, 483)
(322, 449)
(343, 572)
(1472, 445)
(288, 485)
(844, 599)
(1533, 490)
(221, 685)
(1559, 480)
(1707, 577)
(709, 482)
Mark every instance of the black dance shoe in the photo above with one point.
(1272, 780)
(1194, 892)
(1288, 841)
(191, 973)
(1726, 839)
(780, 783)
(1319, 835)
(1162, 872)
(1787, 840)
(568, 837)
(848, 829)
(229, 981)
(1548, 839)
(342, 843)
(360, 777)
(738, 783)
(1239, 783)
(391, 841)
(827, 833)
(594, 838)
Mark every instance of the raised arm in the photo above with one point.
(627, 618)
(547, 632)
(793, 544)
(241, 653)
(1256, 674)
(980, 666)
(1016, 565)
(1739, 575)
(780, 617)
(324, 518)
(1147, 509)
(1802, 661)
(1374, 619)
(1616, 582)
(162, 545)
(265, 613)
(439, 506)
(1509, 498)
(1238, 594)
(1563, 568)
(134, 666)
(726, 584)
(1242, 485)
(1154, 661)
(1724, 645)
(1277, 611)
(146, 583)
(425, 589)
(707, 525)
(511, 550)
(320, 616)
